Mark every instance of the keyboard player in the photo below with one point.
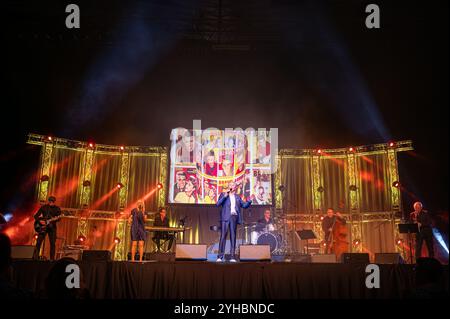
(161, 220)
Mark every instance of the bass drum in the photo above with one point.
(268, 239)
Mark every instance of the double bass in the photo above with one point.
(338, 238)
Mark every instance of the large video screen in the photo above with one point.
(204, 162)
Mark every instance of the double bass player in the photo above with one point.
(333, 226)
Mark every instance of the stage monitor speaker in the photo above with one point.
(190, 252)
(254, 252)
(306, 259)
(355, 258)
(388, 258)
(22, 252)
(323, 258)
(96, 255)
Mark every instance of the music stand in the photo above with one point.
(409, 228)
(306, 234)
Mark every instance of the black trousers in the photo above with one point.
(52, 239)
(231, 225)
(425, 234)
(163, 236)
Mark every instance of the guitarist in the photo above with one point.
(47, 212)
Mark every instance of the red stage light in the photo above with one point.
(49, 138)
(391, 144)
(116, 240)
(36, 236)
(356, 242)
(159, 186)
(351, 149)
(396, 184)
(91, 144)
(119, 185)
(122, 148)
(399, 241)
(321, 217)
(319, 151)
(81, 239)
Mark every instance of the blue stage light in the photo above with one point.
(440, 239)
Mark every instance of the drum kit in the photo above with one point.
(275, 235)
(269, 234)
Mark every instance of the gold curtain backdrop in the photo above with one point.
(106, 174)
(335, 184)
(144, 175)
(142, 168)
(296, 177)
(64, 176)
(374, 183)
(101, 233)
(379, 236)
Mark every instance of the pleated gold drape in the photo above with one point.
(106, 175)
(335, 194)
(64, 177)
(374, 178)
(144, 174)
(296, 177)
(378, 237)
(100, 234)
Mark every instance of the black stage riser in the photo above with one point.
(172, 280)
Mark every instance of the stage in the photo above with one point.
(244, 280)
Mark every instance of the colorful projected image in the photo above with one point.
(203, 163)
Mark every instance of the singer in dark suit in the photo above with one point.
(230, 217)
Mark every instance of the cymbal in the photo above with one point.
(250, 224)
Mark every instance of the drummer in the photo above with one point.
(266, 223)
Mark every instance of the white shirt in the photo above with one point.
(233, 204)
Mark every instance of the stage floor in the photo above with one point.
(207, 280)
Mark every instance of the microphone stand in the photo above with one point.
(287, 202)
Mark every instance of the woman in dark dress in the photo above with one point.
(138, 236)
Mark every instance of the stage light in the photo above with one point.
(81, 238)
(319, 151)
(321, 217)
(49, 138)
(324, 244)
(91, 144)
(440, 239)
(119, 185)
(87, 183)
(351, 149)
(159, 186)
(35, 236)
(396, 184)
(8, 217)
(356, 242)
(391, 144)
(44, 178)
(122, 148)
(116, 240)
(399, 241)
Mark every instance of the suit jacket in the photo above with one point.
(225, 211)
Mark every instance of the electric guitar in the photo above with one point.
(40, 227)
